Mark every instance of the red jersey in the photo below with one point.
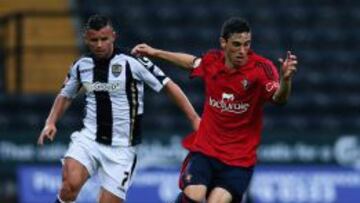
(231, 123)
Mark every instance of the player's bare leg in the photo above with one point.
(219, 195)
(74, 176)
(108, 197)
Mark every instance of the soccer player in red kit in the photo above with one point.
(238, 82)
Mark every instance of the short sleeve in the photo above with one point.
(197, 70)
(269, 78)
(205, 65)
(145, 70)
(71, 83)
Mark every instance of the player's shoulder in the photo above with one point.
(265, 66)
(260, 60)
(212, 55)
(121, 54)
(81, 61)
(139, 62)
(126, 54)
(210, 58)
(85, 58)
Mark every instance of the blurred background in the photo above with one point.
(310, 148)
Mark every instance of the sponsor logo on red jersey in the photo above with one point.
(227, 104)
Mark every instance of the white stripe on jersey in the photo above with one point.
(125, 86)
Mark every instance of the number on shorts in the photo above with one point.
(125, 178)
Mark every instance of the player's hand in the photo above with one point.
(48, 132)
(288, 66)
(143, 50)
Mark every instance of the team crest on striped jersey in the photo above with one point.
(116, 69)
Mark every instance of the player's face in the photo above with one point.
(100, 42)
(236, 48)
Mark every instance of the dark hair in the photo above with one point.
(97, 22)
(234, 25)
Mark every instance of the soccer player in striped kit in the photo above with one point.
(238, 82)
(114, 86)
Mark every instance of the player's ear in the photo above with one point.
(85, 38)
(115, 35)
(222, 42)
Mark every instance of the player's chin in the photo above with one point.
(239, 62)
(101, 55)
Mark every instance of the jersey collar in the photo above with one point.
(226, 70)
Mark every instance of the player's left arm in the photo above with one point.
(182, 60)
(157, 80)
(179, 98)
(287, 71)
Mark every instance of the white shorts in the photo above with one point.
(114, 164)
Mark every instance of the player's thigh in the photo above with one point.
(74, 173)
(219, 195)
(235, 180)
(79, 162)
(84, 151)
(196, 175)
(108, 197)
(117, 169)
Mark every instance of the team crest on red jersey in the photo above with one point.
(116, 69)
(245, 84)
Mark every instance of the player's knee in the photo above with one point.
(195, 192)
(183, 198)
(69, 191)
(219, 194)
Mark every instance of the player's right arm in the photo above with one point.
(62, 102)
(60, 105)
(183, 60)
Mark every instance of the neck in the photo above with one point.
(228, 63)
(107, 57)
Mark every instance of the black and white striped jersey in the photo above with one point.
(114, 95)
